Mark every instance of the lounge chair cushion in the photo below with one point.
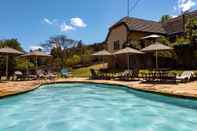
(185, 75)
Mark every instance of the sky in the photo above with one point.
(33, 21)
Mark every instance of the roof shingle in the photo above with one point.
(172, 26)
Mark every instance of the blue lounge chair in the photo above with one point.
(64, 72)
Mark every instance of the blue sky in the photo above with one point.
(34, 21)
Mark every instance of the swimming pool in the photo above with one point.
(95, 107)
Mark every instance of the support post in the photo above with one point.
(7, 66)
(128, 62)
(156, 59)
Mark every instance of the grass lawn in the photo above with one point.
(85, 71)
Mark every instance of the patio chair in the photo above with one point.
(94, 75)
(41, 74)
(51, 76)
(19, 75)
(134, 74)
(31, 77)
(64, 72)
(45, 75)
(185, 76)
(125, 76)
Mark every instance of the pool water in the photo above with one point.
(95, 107)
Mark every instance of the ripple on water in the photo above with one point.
(95, 107)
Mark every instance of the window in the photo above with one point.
(116, 45)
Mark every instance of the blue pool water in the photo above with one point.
(95, 107)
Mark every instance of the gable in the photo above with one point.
(118, 33)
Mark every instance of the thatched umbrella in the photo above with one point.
(9, 51)
(156, 47)
(35, 54)
(128, 51)
(102, 54)
(153, 36)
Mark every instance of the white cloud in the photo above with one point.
(35, 47)
(173, 16)
(65, 28)
(78, 22)
(46, 20)
(185, 5)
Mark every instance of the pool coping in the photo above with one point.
(106, 82)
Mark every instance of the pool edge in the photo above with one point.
(105, 83)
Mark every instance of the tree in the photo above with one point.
(73, 60)
(164, 40)
(164, 18)
(58, 46)
(59, 41)
(12, 43)
(191, 30)
(22, 64)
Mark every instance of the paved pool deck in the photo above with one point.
(188, 90)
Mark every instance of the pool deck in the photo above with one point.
(188, 90)
(17, 87)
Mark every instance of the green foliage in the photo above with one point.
(164, 40)
(164, 18)
(67, 52)
(74, 60)
(58, 41)
(133, 44)
(181, 41)
(86, 56)
(191, 29)
(185, 57)
(97, 46)
(12, 43)
(22, 64)
(59, 46)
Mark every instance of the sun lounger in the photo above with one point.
(99, 75)
(19, 75)
(64, 72)
(94, 75)
(45, 75)
(51, 76)
(158, 76)
(126, 75)
(185, 76)
(40, 74)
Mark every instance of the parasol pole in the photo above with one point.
(156, 59)
(128, 62)
(27, 72)
(7, 59)
(36, 63)
(103, 63)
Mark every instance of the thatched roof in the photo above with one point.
(128, 50)
(36, 53)
(170, 27)
(136, 24)
(157, 46)
(8, 50)
(176, 25)
(153, 36)
(102, 53)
